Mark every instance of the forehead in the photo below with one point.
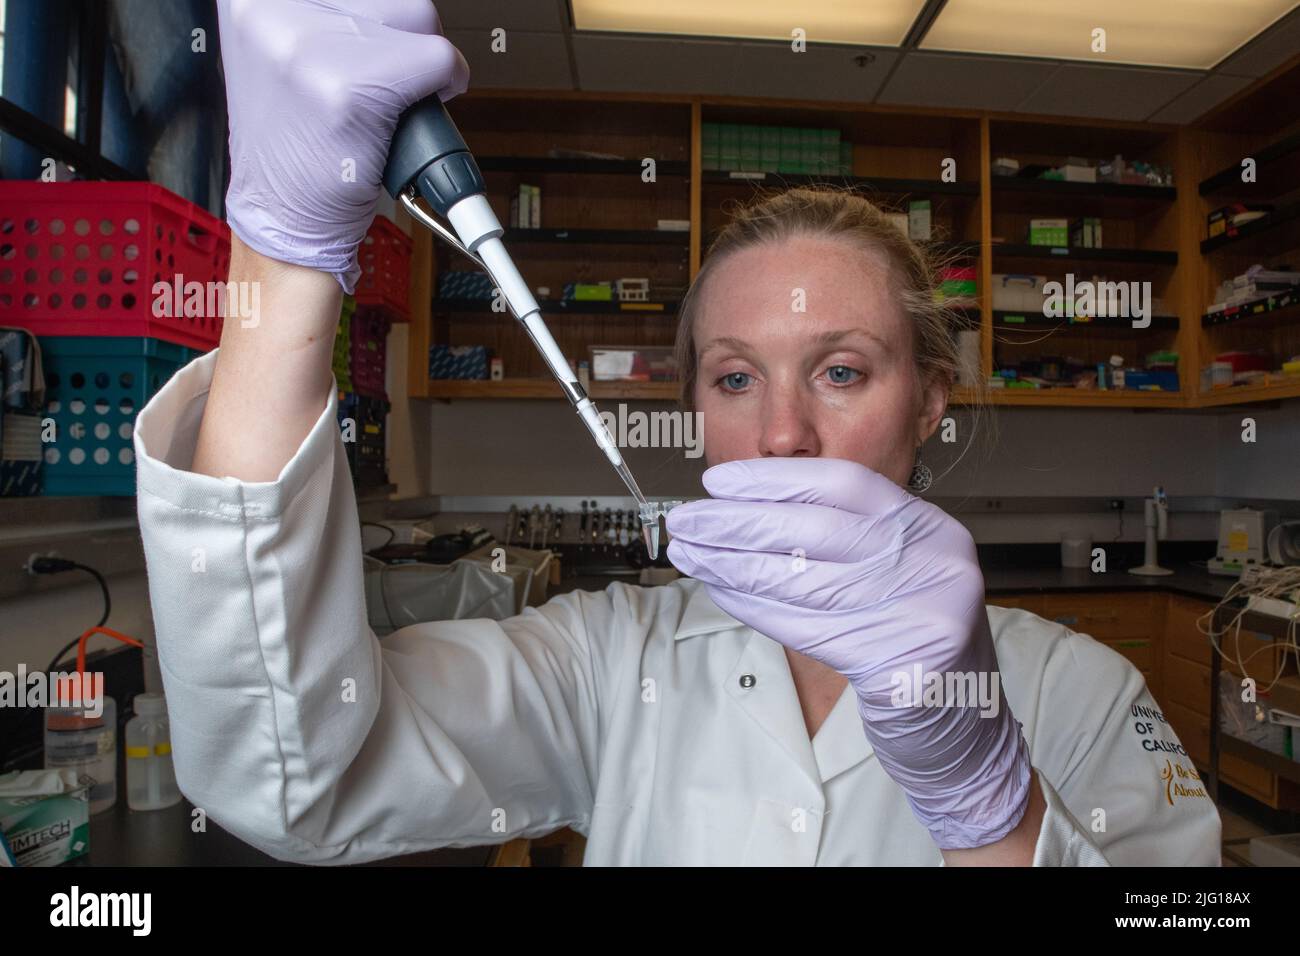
(837, 284)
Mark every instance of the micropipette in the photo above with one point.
(429, 158)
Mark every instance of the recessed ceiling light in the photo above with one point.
(1194, 34)
(874, 22)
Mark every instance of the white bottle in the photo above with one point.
(150, 776)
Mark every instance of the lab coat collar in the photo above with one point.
(773, 702)
(701, 615)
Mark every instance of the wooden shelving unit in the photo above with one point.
(599, 217)
(1261, 123)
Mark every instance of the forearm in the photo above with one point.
(1014, 849)
(272, 377)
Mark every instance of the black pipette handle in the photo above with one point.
(429, 153)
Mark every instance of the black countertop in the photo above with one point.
(120, 836)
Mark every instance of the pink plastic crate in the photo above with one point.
(385, 259)
(83, 259)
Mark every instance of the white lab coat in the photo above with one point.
(619, 713)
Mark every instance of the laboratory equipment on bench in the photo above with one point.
(1156, 514)
(429, 158)
(81, 725)
(1243, 537)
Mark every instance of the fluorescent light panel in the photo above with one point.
(1194, 34)
(867, 22)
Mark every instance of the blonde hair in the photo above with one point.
(835, 212)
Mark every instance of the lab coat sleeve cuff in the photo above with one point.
(166, 435)
(1062, 840)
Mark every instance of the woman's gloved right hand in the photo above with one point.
(314, 89)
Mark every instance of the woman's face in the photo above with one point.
(802, 351)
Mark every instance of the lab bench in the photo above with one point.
(1153, 623)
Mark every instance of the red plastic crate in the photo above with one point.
(368, 358)
(385, 259)
(83, 259)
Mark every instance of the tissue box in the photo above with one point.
(458, 361)
(44, 817)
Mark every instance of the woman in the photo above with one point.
(828, 688)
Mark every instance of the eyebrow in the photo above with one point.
(821, 338)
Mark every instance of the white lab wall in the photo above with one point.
(34, 627)
(538, 448)
(1270, 466)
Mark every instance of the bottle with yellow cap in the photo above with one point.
(150, 776)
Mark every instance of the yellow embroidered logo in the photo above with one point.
(1174, 775)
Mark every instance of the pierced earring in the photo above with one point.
(921, 475)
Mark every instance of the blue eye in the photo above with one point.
(842, 374)
(730, 382)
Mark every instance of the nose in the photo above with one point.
(788, 430)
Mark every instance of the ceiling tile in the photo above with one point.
(1107, 92)
(964, 82)
(821, 72)
(539, 16)
(530, 60)
(1268, 51)
(1205, 95)
(655, 64)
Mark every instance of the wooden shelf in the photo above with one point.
(1247, 240)
(1056, 188)
(1229, 178)
(1078, 397)
(1252, 314)
(637, 237)
(546, 388)
(1277, 386)
(1079, 254)
(899, 144)
(564, 307)
(1108, 324)
(1274, 763)
(547, 164)
(1054, 197)
(883, 184)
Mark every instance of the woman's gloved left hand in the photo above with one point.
(836, 561)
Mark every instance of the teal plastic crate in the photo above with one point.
(95, 386)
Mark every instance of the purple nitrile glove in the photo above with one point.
(314, 89)
(837, 562)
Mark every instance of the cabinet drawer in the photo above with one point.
(1140, 650)
(1248, 777)
(1104, 616)
(1031, 602)
(1188, 684)
(1181, 634)
(1193, 730)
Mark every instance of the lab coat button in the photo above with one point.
(748, 680)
